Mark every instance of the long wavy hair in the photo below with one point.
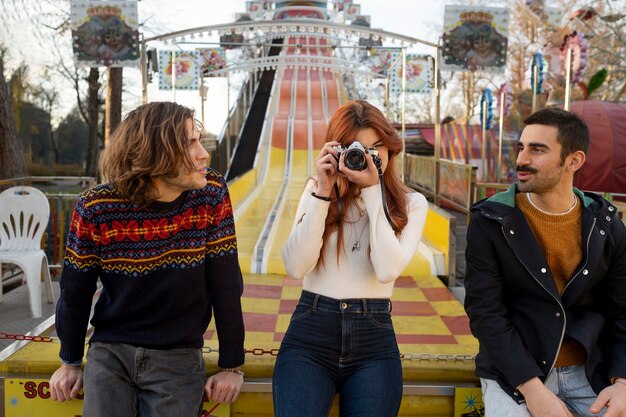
(150, 142)
(344, 127)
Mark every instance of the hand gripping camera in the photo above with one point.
(354, 158)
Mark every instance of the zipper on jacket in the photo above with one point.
(593, 226)
(558, 301)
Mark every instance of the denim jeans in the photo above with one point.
(127, 381)
(338, 346)
(569, 383)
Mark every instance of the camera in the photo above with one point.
(354, 158)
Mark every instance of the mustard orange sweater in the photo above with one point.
(560, 238)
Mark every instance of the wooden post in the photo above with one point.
(483, 147)
(403, 112)
(500, 134)
(437, 150)
(568, 78)
(535, 71)
(113, 107)
(143, 64)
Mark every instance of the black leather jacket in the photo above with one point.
(515, 310)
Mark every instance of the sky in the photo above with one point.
(408, 17)
(421, 19)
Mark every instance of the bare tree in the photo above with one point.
(86, 83)
(18, 88)
(12, 163)
(89, 108)
(58, 21)
(603, 22)
(113, 111)
(48, 98)
(93, 114)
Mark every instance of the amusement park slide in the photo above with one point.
(301, 102)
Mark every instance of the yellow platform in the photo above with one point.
(431, 326)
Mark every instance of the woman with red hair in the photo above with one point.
(357, 227)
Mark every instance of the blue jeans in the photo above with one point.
(338, 346)
(569, 383)
(127, 381)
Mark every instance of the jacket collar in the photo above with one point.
(500, 206)
(598, 214)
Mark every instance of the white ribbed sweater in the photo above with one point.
(362, 273)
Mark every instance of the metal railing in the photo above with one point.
(51, 184)
(456, 181)
(487, 189)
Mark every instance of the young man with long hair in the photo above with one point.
(351, 239)
(160, 237)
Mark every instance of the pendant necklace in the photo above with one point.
(357, 244)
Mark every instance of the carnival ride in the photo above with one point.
(432, 328)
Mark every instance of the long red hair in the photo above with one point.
(344, 127)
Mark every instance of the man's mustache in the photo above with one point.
(526, 169)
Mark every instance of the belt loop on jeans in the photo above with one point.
(390, 306)
(315, 301)
(364, 301)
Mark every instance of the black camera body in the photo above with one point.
(354, 158)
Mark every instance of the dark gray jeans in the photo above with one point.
(128, 381)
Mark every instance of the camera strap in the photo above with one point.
(379, 167)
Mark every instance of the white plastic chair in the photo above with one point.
(24, 215)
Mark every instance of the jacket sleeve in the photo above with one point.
(225, 281)
(390, 254)
(81, 268)
(616, 297)
(302, 248)
(487, 312)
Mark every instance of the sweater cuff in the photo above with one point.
(71, 354)
(75, 363)
(320, 197)
(318, 208)
(230, 358)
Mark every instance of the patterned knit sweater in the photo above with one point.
(165, 270)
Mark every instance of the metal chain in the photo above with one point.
(254, 352)
(260, 352)
(447, 357)
(12, 336)
(404, 356)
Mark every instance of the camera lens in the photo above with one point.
(355, 159)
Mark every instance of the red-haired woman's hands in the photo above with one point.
(365, 178)
(326, 167)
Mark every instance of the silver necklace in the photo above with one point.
(357, 243)
(569, 210)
